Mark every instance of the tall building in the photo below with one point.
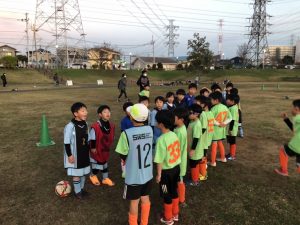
(278, 52)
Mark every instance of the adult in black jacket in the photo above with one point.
(3, 78)
(143, 81)
(122, 84)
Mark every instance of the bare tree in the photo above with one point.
(242, 51)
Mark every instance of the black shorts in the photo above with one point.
(194, 163)
(231, 140)
(168, 183)
(134, 192)
(291, 153)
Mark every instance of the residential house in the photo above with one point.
(103, 57)
(6, 50)
(147, 62)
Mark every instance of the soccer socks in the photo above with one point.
(222, 149)
(132, 219)
(232, 150)
(202, 167)
(168, 211)
(195, 173)
(77, 186)
(283, 159)
(175, 206)
(82, 182)
(213, 156)
(145, 211)
(181, 192)
(105, 171)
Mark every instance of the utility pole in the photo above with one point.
(152, 43)
(258, 41)
(171, 36)
(26, 20)
(34, 30)
(220, 38)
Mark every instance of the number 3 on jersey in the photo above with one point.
(174, 151)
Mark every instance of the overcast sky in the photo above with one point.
(128, 24)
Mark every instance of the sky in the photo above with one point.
(129, 25)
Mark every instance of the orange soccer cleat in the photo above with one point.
(94, 180)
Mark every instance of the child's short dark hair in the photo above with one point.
(102, 107)
(296, 103)
(234, 98)
(143, 98)
(216, 96)
(161, 98)
(180, 92)
(204, 100)
(166, 118)
(234, 91)
(229, 84)
(77, 106)
(169, 94)
(126, 105)
(195, 108)
(215, 86)
(197, 98)
(203, 90)
(181, 113)
(192, 85)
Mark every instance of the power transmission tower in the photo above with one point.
(220, 39)
(59, 23)
(258, 50)
(171, 38)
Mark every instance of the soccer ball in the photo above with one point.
(63, 189)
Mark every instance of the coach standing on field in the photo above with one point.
(3, 78)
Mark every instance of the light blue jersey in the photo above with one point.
(139, 163)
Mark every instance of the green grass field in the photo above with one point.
(242, 192)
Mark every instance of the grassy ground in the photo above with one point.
(242, 192)
(90, 76)
(24, 79)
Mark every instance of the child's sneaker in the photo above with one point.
(202, 178)
(176, 218)
(78, 195)
(94, 180)
(108, 182)
(84, 193)
(222, 160)
(280, 172)
(192, 183)
(212, 164)
(168, 222)
(231, 158)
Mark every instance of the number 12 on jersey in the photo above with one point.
(143, 153)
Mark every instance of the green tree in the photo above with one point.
(160, 66)
(199, 54)
(154, 67)
(179, 66)
(288, 60)
(9, 61)
(22, 58)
